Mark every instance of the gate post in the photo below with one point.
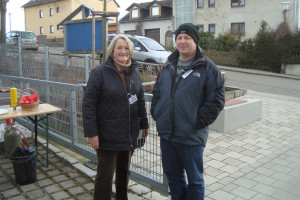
(86, 68)
(73, 116)
(47, 73)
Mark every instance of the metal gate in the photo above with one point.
(66, 127)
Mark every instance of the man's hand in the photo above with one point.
(94, 141)
(145, 133)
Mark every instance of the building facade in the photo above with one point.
(43, 16)
(151, 19)
(238, 16)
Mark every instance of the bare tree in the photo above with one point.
(217, 14)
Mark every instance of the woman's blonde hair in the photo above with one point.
(111, 46)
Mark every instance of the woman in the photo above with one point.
(113, 110)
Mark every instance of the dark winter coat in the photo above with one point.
(107, 111)
(184, 110)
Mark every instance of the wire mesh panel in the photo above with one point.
(9, 59)
(67, 69)
(33, 64)
(146, 160)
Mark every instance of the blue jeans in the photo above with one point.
(178, 159)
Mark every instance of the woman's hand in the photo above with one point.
(94, 141)
(145, 133)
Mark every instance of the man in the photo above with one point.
(187, 97)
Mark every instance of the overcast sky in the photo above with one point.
(17, 13)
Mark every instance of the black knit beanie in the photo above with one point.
(190, 29)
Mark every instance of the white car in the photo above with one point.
(28, 39)
(146, 49)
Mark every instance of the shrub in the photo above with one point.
(226, 42)
(206, 40)
(270, 47)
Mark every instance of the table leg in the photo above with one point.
(47, 139)
(35, 132)
(35, 121)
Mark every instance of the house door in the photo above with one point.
(153, 33)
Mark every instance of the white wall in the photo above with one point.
(252, 14)
(163, 25)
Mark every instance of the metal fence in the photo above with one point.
(60, 80)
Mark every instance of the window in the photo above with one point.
(134, 12)
(41, 14)
(41, 30)
(15, 34)
(211, 3)
(212, 28)
(236, 3)
(57, 10)
(57, 27)
(238, 28)
(200, 27)
(155, 10)
(200, 3)
(51, 29)
(51, 11)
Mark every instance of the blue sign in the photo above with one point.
(79, 36)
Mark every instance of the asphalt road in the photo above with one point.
(263, 82)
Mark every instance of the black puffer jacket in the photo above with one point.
(184, 110)
(107, 111)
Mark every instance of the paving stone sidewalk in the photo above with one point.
(257, 161)
(260, 161)
(64, 178)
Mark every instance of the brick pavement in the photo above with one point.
(257, 161)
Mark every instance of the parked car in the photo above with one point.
(146, 49)
(28, 39)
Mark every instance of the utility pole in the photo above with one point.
(2, 20)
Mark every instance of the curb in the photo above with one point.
(252, 71)
(72, 161)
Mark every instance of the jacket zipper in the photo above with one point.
(129, 111)
(174, 84)
(127, 101)
(172, 99)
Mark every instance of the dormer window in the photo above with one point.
(155, 10)
(135, 12)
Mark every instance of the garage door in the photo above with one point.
(153, 33)
(131, 32)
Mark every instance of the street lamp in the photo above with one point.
(285, 7)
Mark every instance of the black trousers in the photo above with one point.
(110, 162)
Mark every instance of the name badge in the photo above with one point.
(132, 99)
(187, 73)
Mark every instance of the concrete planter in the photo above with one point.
(237, 115)
(231, 93)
